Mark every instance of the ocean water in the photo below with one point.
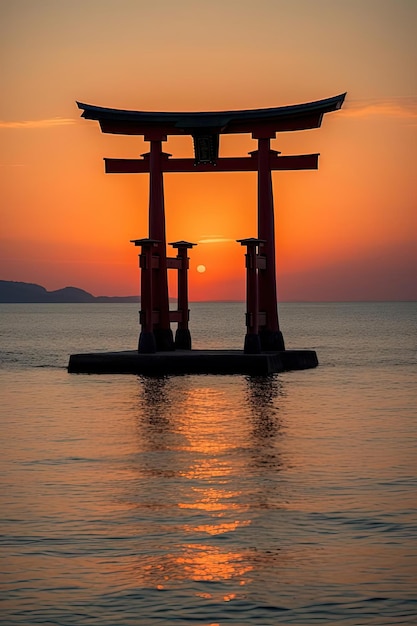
(204, 500)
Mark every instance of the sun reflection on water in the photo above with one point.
(216, 528)
(200, 562)
(215, 443)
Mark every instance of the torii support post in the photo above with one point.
(269, 332)
(160, 297)
(182, 335)
(252, 340)
(147, 343)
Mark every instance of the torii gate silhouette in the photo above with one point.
(205, 129)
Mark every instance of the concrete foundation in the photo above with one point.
(191, 362)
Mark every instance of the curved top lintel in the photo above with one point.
(212, 121)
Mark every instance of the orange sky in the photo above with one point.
(347, 231)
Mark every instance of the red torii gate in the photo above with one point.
(205, 128)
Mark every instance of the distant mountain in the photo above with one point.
(11, 291)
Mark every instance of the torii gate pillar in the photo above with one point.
(182, 336)
(160, 297)
(270, 334)
(147, 343)
(253, 264)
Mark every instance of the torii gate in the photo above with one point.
(205, 128)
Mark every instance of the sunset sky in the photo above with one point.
(347, 231)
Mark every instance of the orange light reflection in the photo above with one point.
(210, 499)
(201, 562)
(216, 529)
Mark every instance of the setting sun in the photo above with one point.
(201, 269)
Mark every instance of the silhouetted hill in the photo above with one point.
(11, 291)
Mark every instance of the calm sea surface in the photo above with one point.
(204, 500)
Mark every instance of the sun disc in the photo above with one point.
(201, 268)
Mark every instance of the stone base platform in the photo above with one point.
(191, 362)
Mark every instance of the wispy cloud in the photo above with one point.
(49, 123)
(404, 107)
(215, 239)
